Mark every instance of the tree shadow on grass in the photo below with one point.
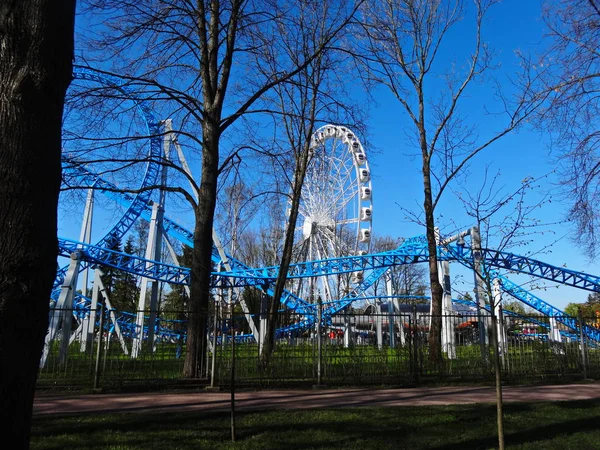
(442, 428)
(543, 433)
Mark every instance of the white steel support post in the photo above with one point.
(99, 289)
(89, 331)
(554, 330)
(154, 244)
(497, 294)
(479, 286)
(264, 307)
(347, 328)
(86, 237)
(448, 337)
(153, 253)
(400, 321)
(378, 324)
(63, 312)
(391, 310)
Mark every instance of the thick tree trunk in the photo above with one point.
(36, 51)
(201, 257)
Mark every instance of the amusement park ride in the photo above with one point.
(334, 257)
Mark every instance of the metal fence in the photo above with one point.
(350, 349)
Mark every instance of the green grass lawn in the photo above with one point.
(558, 425)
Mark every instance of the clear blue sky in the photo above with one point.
(511, 25)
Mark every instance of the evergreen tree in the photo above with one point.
(125, 292)
(109, 279)
(175, 303)
(593, 298)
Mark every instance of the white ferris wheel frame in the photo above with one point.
(336, 200)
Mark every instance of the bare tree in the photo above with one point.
(310, 97)
(36, 51)
(202, 63)
(400, 48)
(571, 70)
(505, 220)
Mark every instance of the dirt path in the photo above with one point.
(305, 399)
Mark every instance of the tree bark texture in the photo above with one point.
(201, 255)
(36, 51)
(435, 328)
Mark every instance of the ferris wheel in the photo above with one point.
(335, 212)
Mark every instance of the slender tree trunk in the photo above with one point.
(201, 257)
(269, 344)
(435, 328)
(498, 379)
(36, 51)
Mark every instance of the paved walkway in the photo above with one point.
(209, 401)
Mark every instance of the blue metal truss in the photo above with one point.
(154, 270)
(545, 308)
(416, 253)
(164, 329)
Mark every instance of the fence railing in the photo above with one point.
(352, 349)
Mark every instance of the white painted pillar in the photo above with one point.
(448, 336)
(347, 329)
(63, 312)
(154, 243)
(391, 310)
(378, 325)
(479, 285)
(264, 312)
(100, 290)
(554, 330)
(400, 321)
(216, 240)
(86, 237)
(502, 340)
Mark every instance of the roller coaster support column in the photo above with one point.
(264, 307)
(391, 310)
(448, 338)
(86, 237)
(378, 324)
(347, 327)
(63, 312)
(497, 297)
(479, 287)
(153, 253)
(100, 290)
(554, 330)
(67, 308)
